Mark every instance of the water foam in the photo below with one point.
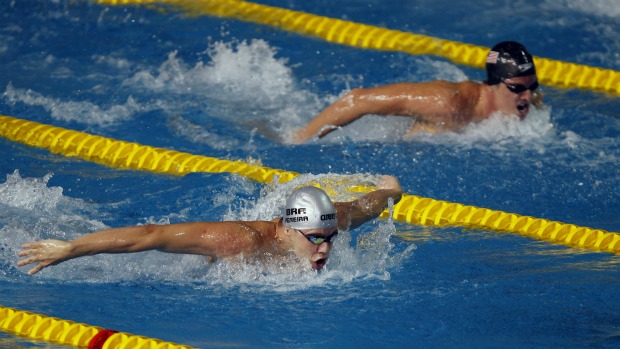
(31, 210)
(78, 111)
(199, 134)
(504, 131)
(603, 8)
(233, 72)
(243, 82)
(30, 194)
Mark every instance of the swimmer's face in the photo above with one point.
(515, 95)
(313, 244)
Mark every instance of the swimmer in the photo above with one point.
(307, 228)
(440, 106)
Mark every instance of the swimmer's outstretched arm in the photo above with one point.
(217, 239)
(355, 213)
(347, 109)
(428, 101)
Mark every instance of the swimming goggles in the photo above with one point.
(319, 239)
(518, 88)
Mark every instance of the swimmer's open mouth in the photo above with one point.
(523, 110)
(320, 263)
(319, 260)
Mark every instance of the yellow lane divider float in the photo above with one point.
(550, 72)
(64, 332)
(411, 209)
(115, 153)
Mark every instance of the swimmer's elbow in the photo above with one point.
(354, 97)
(356, 92)
(151, 237)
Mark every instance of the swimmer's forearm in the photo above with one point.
(374, 203)
(51, 252)
(115, 240)
(342, 112)
(324, 123)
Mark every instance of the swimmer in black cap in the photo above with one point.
(307, 227)
(440, 106)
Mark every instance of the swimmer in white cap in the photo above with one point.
(309, 224)
(440, 106)
(310, 213)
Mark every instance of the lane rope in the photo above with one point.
(411, 209)
(550, 72)
(65, 332)
(113, 153)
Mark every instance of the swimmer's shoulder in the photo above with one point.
(264, 228)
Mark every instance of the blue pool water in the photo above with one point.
(234, 90)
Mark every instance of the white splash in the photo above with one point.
(32, 210)
(31, 194)
(502, 131)
(242, 82)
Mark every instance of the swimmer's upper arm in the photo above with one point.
(390, 99)
(218, 239)
(433, 101)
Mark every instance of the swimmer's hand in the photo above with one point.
(46, 253)
(353, 214)
(390, 183)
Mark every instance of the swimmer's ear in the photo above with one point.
(537, 98)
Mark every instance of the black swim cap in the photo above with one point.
(507, 60)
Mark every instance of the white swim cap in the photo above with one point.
(309, 208)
